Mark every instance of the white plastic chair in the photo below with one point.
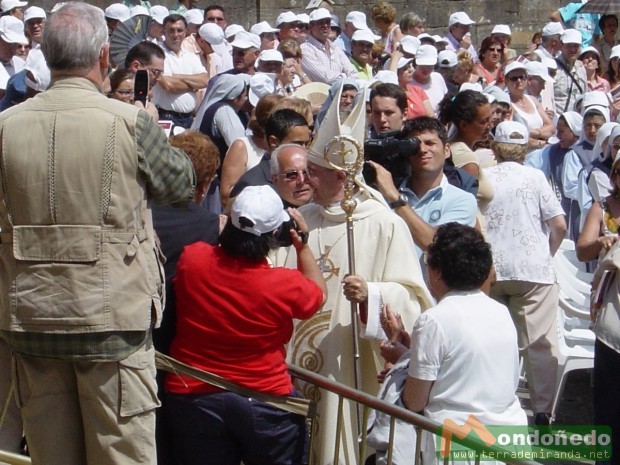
(574, 282)
(578, 357)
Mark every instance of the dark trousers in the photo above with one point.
(606, 394)
(179, 119)
(225, 428)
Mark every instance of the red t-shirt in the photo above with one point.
(234, 318)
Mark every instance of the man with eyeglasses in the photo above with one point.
(284, 126)
(215, 14)
(289, 174)
(148, 56)
(570, 79)
(176, 92)
(321, 61)
(245, 51)
(289, 26)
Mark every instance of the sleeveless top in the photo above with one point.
(255, 153)
(530, 120)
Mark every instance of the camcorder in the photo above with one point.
(283, 235)
(392, 151)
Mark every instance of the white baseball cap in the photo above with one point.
(426, 36)
(261, 84)
(511, 132)
(245, 40)
(447, 59)
(426, 56)
(499, 95)
(232, 30)
(194, 16)
(37, 68)
(8, 5)
(117, 11)
(262, 28)
(159, 13)
(138, 10)
(262, 207)
(286, 17)
(12, 30)
(363, 35)
(269, 55)
(571, 36)
(552, 29)
(214, 36)
(34, 12)
(386, 76)
(402, 62)
(536, 68)
(460, 17)
(319, 14)
(357, 18)
(303, 18)
(440, 40)
(410, 44)
(501, 29)
(515, 65)
(590, 49)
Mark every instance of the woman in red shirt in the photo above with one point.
(234, 317)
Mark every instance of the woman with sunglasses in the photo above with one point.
(490, 54)
(527, 110)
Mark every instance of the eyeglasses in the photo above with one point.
(294, 175)
(520, 77)
(156, 72)
(323, 22)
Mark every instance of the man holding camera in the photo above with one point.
(425, 199)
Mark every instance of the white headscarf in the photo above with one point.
(226, 87)
(601, 136)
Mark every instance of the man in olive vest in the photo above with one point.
(80, 277)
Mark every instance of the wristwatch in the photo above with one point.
(401, 201)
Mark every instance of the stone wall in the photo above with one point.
(523, 16)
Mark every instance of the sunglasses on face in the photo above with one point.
(294, 175)
(520, 77)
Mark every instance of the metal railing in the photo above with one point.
(369, 402)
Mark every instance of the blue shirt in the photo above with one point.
(586, 23)
(442, 204)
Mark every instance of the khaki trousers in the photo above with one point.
(533, 308)
(88, 413)
(11, 430)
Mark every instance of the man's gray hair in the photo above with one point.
(274, 162)
(73, 37)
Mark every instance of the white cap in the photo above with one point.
(426, 36)
(426, 56)
(357, 18)
(511, 132)
(501, 29)
(8, 5)
(138, 10)
(536, 68)
(440, 40)
(471, 86)
(363, 35)
(34, 12)
(37, 67)
(402, 62)
(262, 28)
(262, 207)
(286, 17)
(319, 14)
(590, 49)
(335, 21)
(571, 36)
(552, 29)
(303, 18)
(117, 11)
(232, 30)
(194, 16)
(261, 84)
(245, 40)
(269, 55)
(460, 17)
(550, 63)
(447, 59)
(499, 95)
(515, 65)
(386, 76)
(410, 44)
(595, 97)
(12, 30)
(214, 36)
(159, 13)
(615, 52)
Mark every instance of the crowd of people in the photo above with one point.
(479, 160)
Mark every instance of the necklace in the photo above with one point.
(325, 264)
